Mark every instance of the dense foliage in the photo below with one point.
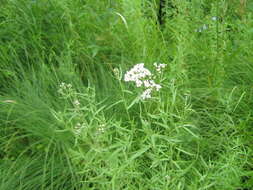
(69, 120)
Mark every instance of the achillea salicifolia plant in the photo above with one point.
(68, 93)
(142, 77)
(78, 111)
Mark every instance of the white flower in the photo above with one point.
(143, 77)
(158, 87)
(64, 88)
(146, 94)
(136, 74)
(69, 86)
(138, 83)
(76, 103)
(147, 83)
(101, 128)
(159, 66)
(214, 18)
(78, 128)
(162, 65)
(63, 85)
(152, 84)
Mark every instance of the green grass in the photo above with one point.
(194, 134)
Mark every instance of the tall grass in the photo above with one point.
(195, 133)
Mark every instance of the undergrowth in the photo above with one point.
(70, 121)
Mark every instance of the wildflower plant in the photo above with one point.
(143, 78)
(72, 113)
(79, 110)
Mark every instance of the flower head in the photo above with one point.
(159, 67)
(76, 103)
(142, 77)
(137, 73)
(78, 128)
(146, 94)
(214, 18)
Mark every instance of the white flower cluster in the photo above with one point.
(159, 67)
(146, 94)
(214, 18)
(76, 103)
(78, 128)
(64, 87)
(137, 74)
(101, 128)
(143, 77)
(68, 92)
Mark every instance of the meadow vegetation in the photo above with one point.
(69, 120)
